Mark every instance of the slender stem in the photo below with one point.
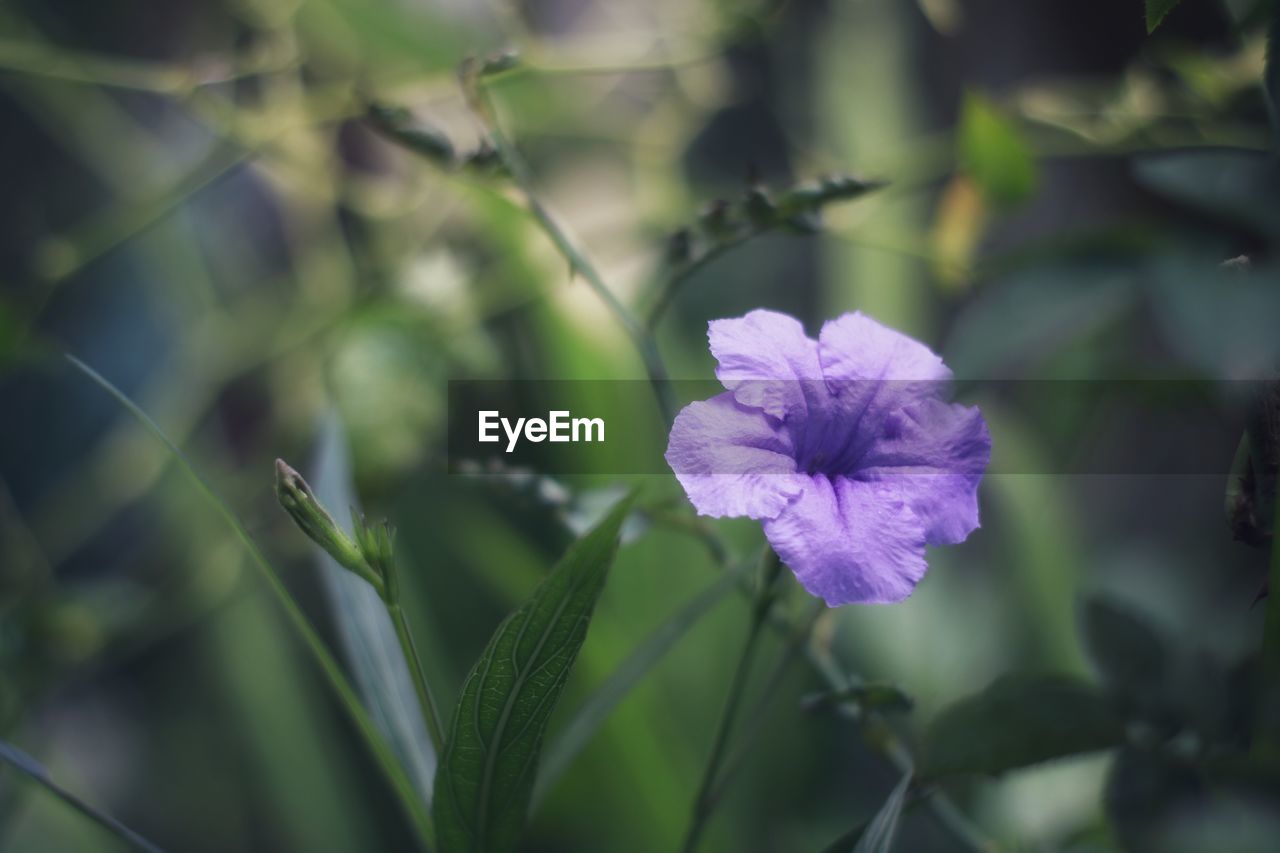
(581, 264)
(396, 776)
(894, 749)
(669, 285)
(704, 801)
(755, 722)
(890, 745)
(430, 711)
(24, 764)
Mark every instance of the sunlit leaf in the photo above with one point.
(486, 774)
(1020, 720)
(993, 152)
(1156, 10)
(959, 223)
(20, 761)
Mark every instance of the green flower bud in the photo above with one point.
(375, 544)
(297, 499)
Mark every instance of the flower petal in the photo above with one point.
(764, 358)
(934, 453)
(871, 371)
(731, 459)
(855, 347)
(850, 541)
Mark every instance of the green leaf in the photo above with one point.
(1020, 720)
(1144, 791)
(1156, 10)
(1220, 319)
(591, 716)
(883, 828)
(23, 763)
(485, 779)
(365, 631)
(396, 776)
(875, 835)
(1130, 656)
(1027, 318)
(993, 152)
(1237, 186)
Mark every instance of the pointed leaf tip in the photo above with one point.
(485, 778)
(1156, 12)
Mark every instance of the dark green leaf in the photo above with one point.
(1156, 10)
(1241, 187)
(20, 761)
(1130, 656)
(1027, 318)
(486, 775)
(1143, 791)
(1221, 319)
(1020, 720)
(588, 719)
(993, 153)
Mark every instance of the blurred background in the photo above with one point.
(197, 205)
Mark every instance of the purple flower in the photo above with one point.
(843, 447)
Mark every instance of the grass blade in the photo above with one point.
(412, 804)
(597, 708)
(369, 639)
(23, 763)
(486, 774)
(883, 829)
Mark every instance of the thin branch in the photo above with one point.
(56, 63)
(581, 264)
(704, 801)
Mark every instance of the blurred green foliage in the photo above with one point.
(201, 207)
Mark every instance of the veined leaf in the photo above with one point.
(368, 637)
(1018, 721)
(485, 778)
(1156, 10)
(20, 761)
(591, 716)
